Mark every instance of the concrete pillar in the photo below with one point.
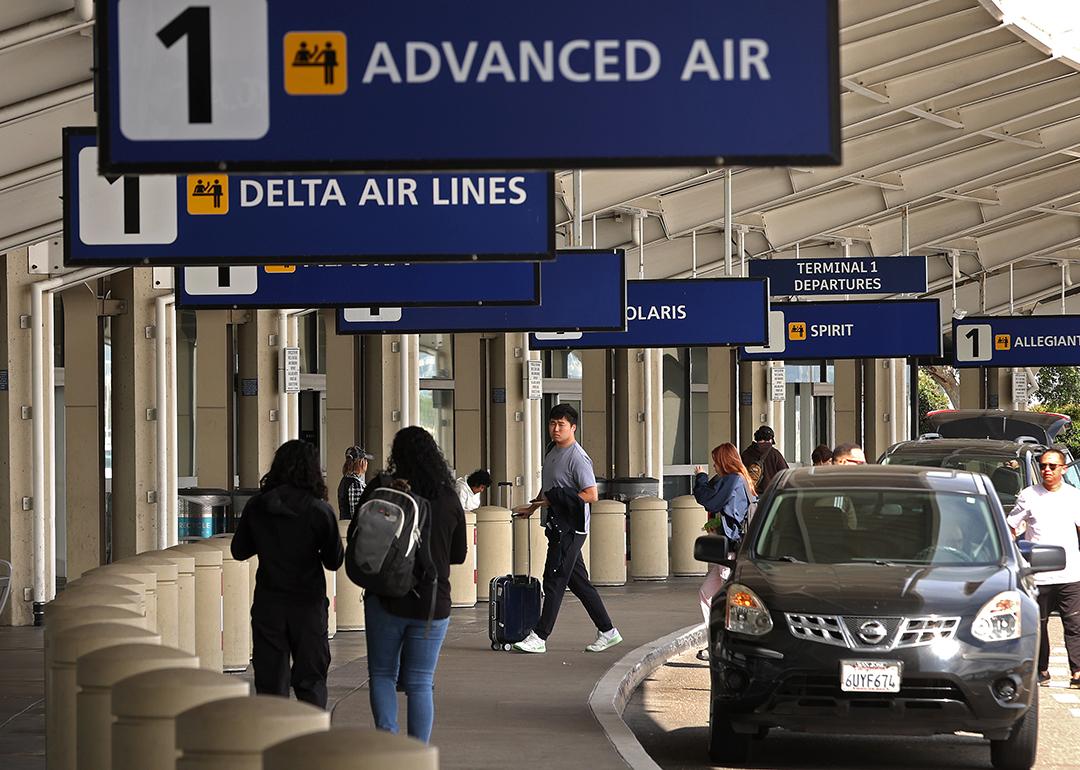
(342, 393)
(257, 437)
(469, 442)
(351, 748)
(847, 402)
(507, 417)
(630, 457)
(213, 400)
(754, 406)
(596, 409)
(972, 389)
(999, 392)
(84, 484)
(877, 407)
(723, 394)
(380, 401)
(16, 436)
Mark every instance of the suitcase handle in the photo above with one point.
(508, 500)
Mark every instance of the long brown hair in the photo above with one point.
(726, 460)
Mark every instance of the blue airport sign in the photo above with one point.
(582, 290)
(276, 85)
(842, 275)
(1036, 340)
(819, 330)
(399, 284)
(213, 218)
(676, 313)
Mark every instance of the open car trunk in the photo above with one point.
(999, 424)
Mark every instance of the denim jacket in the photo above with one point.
(726, 498)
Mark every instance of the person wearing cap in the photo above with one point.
(352, 483)
(470, 488)
(762, 459)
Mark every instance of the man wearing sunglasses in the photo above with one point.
(1051, 511)
(849, 454)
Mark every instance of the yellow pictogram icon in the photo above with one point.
(316, 63)
(796, 330)
(280, 268)
(207, 194)
(1002, 341)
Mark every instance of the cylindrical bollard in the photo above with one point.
(350, 600)
(103, 595)
(529, 555)
(185, 591)
(687, 518)
(648, 538)
(168, 593)
(145, 576)
(208, 612)
(494, 547)
(351, 748)
(68, 646)
(331, 603)
(231, 734)
(607, 543)
(586, 549)
(253, 571)
(95, 675)
(463, 576)
(115, 581)
(236, 612)
(146, 706)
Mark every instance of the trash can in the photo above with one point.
(202, 512)
(687, 519)
(607, 549)
(351, 748)
(494, 544)
(649, 538)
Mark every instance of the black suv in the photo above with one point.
(877, 599)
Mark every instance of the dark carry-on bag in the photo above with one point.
(514, 600)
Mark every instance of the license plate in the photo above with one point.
(870, 675)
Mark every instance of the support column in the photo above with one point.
(257, 436)
(723, 391)
(16, 438)
(507, 413)
(847, 402)
(595, 405)
(879, 410)
(972, 388)
(999, 393)
(381, 395)
(342, 412)
(753, 388)
(84, 481)
(468, 397)
(213, 400)
(629, 447)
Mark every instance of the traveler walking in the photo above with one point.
(469, 489)
(568, 487)
(762, 459)
(353, 481)
(293, 530)
(405, 635)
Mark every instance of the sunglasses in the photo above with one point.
(1051, 466)
(852, 461)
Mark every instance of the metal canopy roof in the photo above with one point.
(966, 116)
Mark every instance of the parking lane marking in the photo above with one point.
(1069, 698)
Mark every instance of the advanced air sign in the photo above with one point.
(1043, 340)
(268, 85)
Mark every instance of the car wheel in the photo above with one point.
(1017, 752)
(726, 747)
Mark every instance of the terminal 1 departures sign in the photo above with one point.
(837, 330)
(275, 85)
(212, 218)
(581, 290)
(687, 312)
(842, 275)
(1037, 340)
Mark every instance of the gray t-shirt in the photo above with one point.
(569, 467)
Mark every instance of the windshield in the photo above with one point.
(1004, 470)
(834, 526)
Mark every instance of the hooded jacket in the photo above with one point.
(769, 458)
(295, 535)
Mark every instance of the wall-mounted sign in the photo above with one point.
(818, 330)
(290, 366)
(534, 380)
(778, 383)
(1020, 388)
(1036, 340)
(678, 313)
(214, 218)
(842, 275)
(242, 85)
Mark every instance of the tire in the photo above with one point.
(726, 747)
(508, 647)
(1017, 752)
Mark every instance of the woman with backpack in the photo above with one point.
(726, 497)
(405, 635)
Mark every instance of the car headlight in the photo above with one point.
(999, 619)
(746, 613)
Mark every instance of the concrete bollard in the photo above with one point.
(331, 603)
(68, 646)
(351, 748)
(687, 519)
(145, 576)
(231, 734)
(586, 549)
(103, 595)
(648, 538)
(185, 591)
(208, 612)
(350, 599)
(494, 547)
(528, 561)
(607, 546)
(236, 611)
(146, 706)
(114, 581)
(168, 593)
(253, 571)
(463, 576)
(95, 674)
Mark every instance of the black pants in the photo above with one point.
(564, 569)
(1065, 598)
(297, 631)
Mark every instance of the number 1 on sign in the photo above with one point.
(194, 24)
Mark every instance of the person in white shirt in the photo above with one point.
(1051, 511)
(469, 489)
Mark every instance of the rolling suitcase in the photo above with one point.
(514, 600)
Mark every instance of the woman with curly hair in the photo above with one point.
(293, 530)
(404, 636)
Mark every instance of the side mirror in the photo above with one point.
(713, 549)
(1044, 558)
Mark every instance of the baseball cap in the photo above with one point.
(764, 433)
(358, 453)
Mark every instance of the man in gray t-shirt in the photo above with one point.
(569, 486)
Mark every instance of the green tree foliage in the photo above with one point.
(931, 396)
(1059, 391)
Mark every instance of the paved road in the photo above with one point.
(669, 713)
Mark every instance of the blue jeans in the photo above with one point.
(397, 644)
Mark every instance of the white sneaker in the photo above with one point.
(531, 643)
(604, 640)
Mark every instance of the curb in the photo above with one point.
(611, 694)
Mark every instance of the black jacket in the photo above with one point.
(566, 510)
(295, 535)
(770, 460)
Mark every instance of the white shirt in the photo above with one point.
(1052, 519)
(470, 500)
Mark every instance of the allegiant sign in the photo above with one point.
(1037, 340)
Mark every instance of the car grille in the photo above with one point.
(858, 632)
